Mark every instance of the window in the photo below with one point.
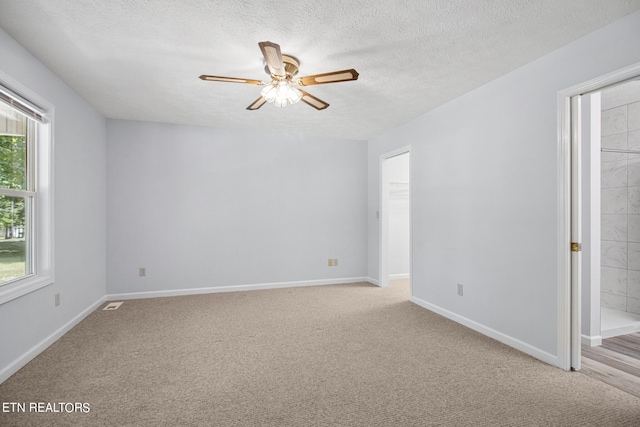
(16, 194)
(25, 197)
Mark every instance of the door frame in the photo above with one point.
(570, 212)
(383, 218)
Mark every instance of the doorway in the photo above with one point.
(611, 284)
(395, 219)
(582, 251)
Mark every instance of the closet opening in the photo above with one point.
(395, 220)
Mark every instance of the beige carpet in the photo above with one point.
(344, 355)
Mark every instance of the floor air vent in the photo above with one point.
(113, 305)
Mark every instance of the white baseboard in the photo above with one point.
(373, 281)
(492, 333)
(27, 357)
(622, 330)
(591, 341)
(236, 288)
(399, 276)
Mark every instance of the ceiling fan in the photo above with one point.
(284, 87)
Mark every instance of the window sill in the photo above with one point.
(11, 291)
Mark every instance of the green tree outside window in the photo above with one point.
(13, 162)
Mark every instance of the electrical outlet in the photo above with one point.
(330, 262)
(143, 271)
(460, 289)
(57, 299)
(335, 262)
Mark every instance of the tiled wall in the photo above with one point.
(620, 210)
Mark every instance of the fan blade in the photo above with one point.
(273, 57)
(230, 80)
(257, 104)
(316, 103)
(334, 77)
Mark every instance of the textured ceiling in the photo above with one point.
(140, 59)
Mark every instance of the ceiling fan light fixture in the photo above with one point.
(284, 88)
(281, 93)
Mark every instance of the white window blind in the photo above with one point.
(25, 107)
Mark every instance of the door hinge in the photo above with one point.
(576, 247)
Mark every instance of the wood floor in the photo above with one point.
(615, 362)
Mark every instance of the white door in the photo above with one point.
(576, 231)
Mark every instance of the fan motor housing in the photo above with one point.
(291, 65)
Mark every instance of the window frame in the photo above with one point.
(40, 189)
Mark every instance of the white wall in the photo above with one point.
(485, 193)
(207, 208)
(27, 324)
